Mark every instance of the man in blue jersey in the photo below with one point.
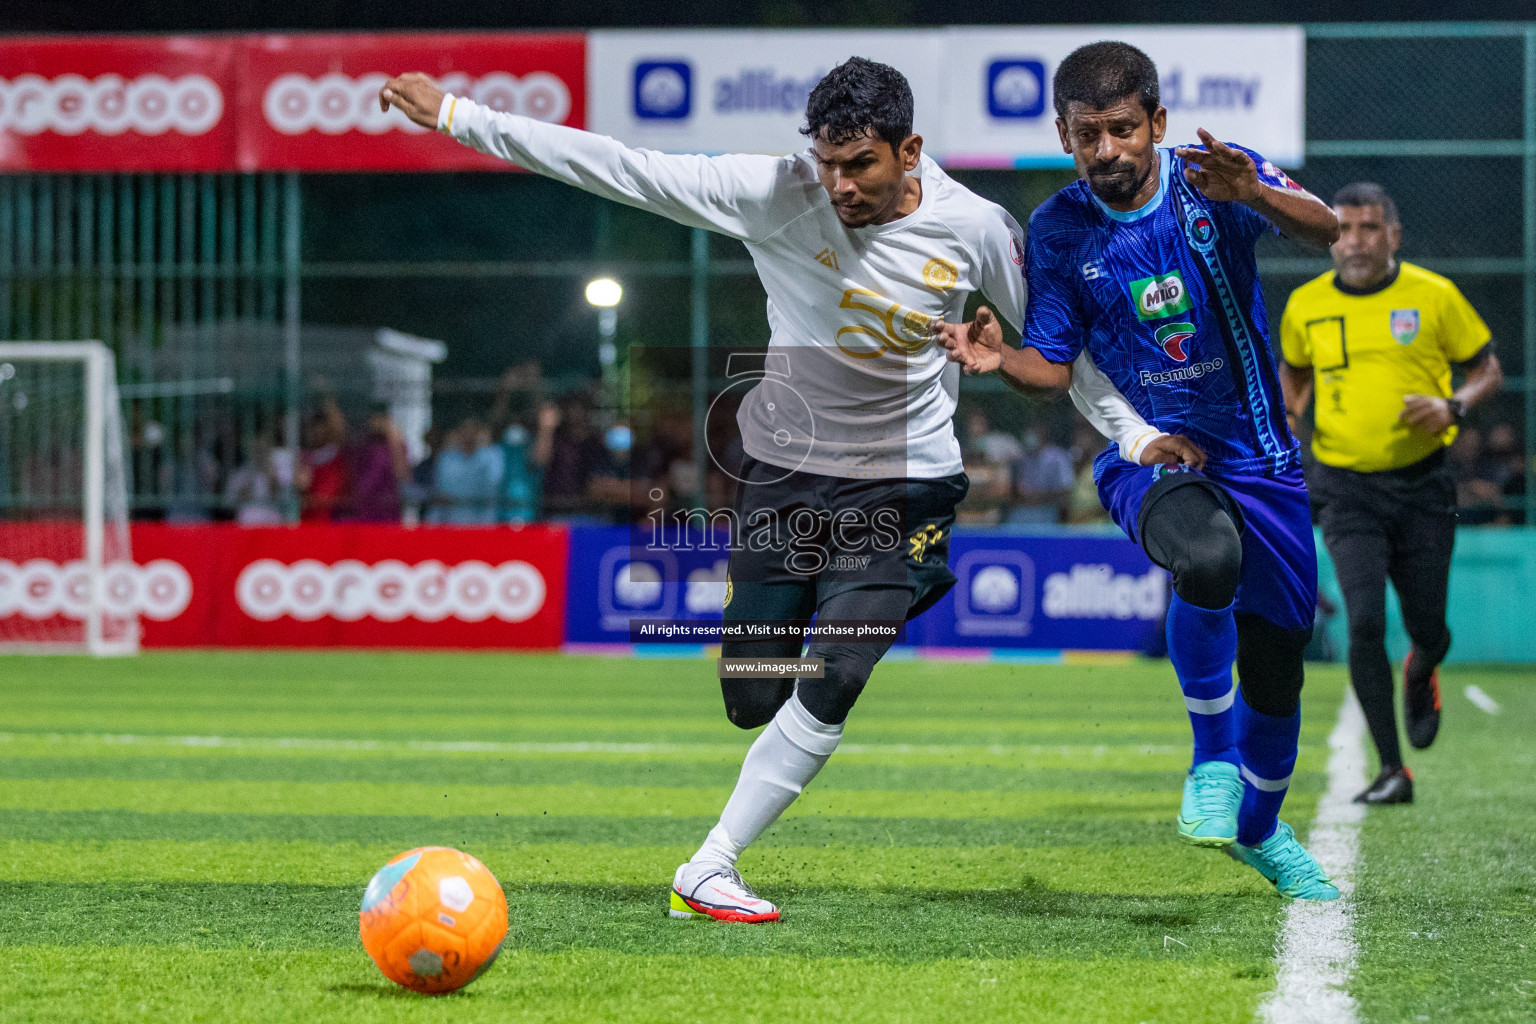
(1147, 263)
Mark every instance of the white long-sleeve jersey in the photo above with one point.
(856, 386)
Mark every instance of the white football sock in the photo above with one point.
(782, 761)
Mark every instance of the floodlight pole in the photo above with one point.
(608, 354)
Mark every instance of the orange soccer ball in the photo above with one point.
(433, 919)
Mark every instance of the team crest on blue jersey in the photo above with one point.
(1405, 325)
(1171, 337)
(1163, 469)
(1201, 231)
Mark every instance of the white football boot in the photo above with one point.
(710, 890)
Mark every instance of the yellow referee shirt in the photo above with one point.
(1369, 352)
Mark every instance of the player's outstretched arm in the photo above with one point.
(978, 347)
(1230, 175)
(729, 194)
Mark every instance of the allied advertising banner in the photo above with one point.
(1242, 84)
(616, 577)
(738, 92)
(164, 103)
(982, 95)
(310, 102)
(1016, 592)
(1069, 592)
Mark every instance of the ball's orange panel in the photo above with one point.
(433, 919)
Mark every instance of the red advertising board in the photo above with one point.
(311, 586)
(141, 103)
(310, 102)
(270, 102)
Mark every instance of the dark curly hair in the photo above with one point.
(1100, 74)
(860, 97)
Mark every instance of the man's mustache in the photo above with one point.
(1116, 169)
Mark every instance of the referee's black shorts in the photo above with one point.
(1408, 504)
(809, 538)
(1397, 524)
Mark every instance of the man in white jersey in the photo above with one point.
(852, 470)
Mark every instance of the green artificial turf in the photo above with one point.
(1449, 882)
(186, 837)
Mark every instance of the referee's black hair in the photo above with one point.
(860, 97)
(1100, 74)
(1367, 193)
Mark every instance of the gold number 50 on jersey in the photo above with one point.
(894, 328)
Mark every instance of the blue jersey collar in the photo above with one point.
(1164, 161)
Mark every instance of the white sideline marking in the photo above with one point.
(1316, 948)
(1477, 695)
(579, 747)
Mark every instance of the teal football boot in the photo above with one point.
(1208, 814)
(1287, 865)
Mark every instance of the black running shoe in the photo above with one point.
(1421, 704)
(1392, 786)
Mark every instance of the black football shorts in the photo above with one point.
(818, 536)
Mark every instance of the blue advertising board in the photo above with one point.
(1014, 591)
(615, 576)
(1094, 592)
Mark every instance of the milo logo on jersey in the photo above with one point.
(1160, 296)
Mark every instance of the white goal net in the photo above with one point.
(67, 578)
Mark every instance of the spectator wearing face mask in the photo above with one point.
(525, 453)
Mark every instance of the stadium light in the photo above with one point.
(604, 292)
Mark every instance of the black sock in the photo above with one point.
(1423, 661)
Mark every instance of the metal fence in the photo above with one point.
(144, 262)
(1443, 115)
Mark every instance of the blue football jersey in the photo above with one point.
(1167, 301)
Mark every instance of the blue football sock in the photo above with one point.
(1202, 644)
(1268, 748)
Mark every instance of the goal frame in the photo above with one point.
(100, 378)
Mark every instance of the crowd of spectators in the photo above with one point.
(526, 456)
(1490, 476)
(531, 455)
(1029, 477)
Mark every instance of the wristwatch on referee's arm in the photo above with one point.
(1458, 410)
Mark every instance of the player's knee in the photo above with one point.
(1367, 628)
(750, 703)
(1207, 571)
(830, 698)
(1271, 665)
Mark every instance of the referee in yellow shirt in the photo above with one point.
(1374, 341)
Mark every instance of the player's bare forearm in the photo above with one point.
(1028, 372)
(1297, 214)
(1296, 385)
